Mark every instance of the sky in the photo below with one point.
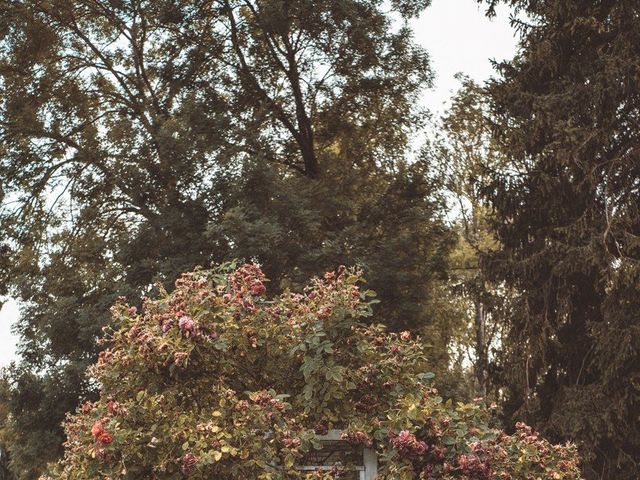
(458, 37)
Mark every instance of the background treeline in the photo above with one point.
(139, 139)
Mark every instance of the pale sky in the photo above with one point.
(458, 37)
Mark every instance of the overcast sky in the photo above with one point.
(458, 37)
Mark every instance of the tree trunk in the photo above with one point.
(481, 348)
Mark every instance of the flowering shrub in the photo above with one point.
(216, 381)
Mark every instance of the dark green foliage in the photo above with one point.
(568, 218)
(5, 399)
(34, 404)
(381, 220)
(139, 139)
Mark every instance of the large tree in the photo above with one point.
(567, 213)
(141, 138)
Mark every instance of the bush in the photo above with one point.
(216, 381)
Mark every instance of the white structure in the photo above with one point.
(361, 461)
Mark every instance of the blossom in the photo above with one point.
(258, 288)
(166, 325)
(105, 437)
(113, 406)
(186, 323)
(180, 358)
(248, 305)
(262, 398)
(97, 428)
(357, 438)
(408, 445)
(289, 442)
(189, 462)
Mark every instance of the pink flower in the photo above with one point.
(189, 462)
(258, 288)
(97, 428)
(105, 438)
(113, 407)
(186, 323)
(248, 305)
(289, 442)
(166, 325)
(408, 445)
(180, 358)
(357, 438)
(262, 398)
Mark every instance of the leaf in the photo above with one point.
(448, 440)
(289, 461)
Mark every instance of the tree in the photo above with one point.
(467, 154)
(5, 472)
(142, 138)
(567, 217)
(214, 381)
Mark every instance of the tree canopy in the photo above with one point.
(140, 139)
(567, 215)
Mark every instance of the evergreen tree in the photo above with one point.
(139, 139)
(567, 214)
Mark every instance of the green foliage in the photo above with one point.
(5, 394)
(567, 216)
(139, 139)
(466, 153)
(216, 381)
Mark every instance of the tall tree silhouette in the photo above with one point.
(568, 218)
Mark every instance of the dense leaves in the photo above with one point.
(568, 217)
(5, 393)
(466, 153)
(215, 381)
(139, 139)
